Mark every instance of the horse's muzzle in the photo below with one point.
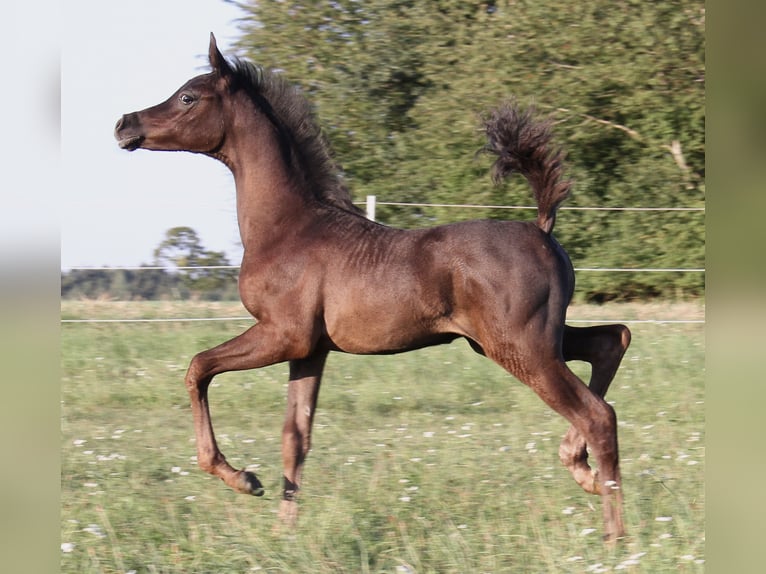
(128, 132)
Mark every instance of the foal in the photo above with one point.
(319, 277)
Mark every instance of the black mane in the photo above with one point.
(303, 143)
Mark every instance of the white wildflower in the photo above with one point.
(94, 529)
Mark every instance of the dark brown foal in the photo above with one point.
(319, 277)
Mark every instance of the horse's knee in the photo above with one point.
(625, 336)
(612, 344)
(613, 347)
(197, 377)
(596, 345)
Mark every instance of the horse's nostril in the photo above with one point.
(119, 123)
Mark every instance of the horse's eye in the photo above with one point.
(186, 99)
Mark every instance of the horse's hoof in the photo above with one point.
(249, 483)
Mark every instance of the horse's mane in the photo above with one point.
(303, 142)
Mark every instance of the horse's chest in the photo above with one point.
(282, 290)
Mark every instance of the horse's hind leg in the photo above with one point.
(548, 375)
(602, 346)
(593, 418)
(302, 393)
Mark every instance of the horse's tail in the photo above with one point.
(523, 145)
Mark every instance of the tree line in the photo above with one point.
(181, 269)
(400, 86)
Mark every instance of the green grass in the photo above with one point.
(431, 462)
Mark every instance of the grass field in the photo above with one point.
(434, 461)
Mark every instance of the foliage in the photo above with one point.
(120, 284)
(399, 86)
(180, 248)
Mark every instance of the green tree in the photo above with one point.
(400, 85)
(121, 284)
(85, 283)
(182, 249)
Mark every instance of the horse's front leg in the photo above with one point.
(303, 390)
(602, 346)
(256, 347)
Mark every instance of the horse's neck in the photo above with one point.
(266, 197)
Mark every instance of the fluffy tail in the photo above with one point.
(523, 145)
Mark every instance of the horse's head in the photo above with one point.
(192, 119)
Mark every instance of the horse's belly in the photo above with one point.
(384, 331)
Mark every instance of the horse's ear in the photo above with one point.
(217, 61)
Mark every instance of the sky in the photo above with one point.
(119, 57)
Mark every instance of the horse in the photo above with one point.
(318, 276)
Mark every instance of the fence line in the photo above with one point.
(645, 270)
(213, 267)
(248, 318)
(374, 202)
(152, 268)
(371, 202)
(166, 320)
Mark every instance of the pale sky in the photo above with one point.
(119, 57)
